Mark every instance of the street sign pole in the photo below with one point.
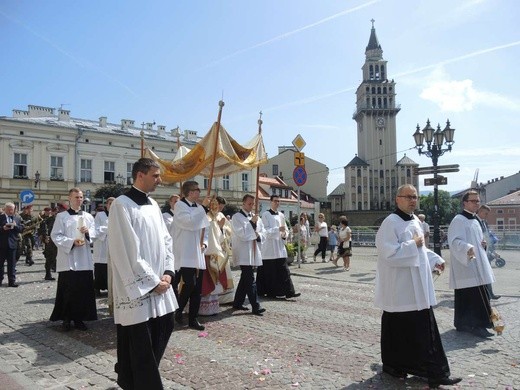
(299, 144)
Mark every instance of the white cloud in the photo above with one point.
(459, 96)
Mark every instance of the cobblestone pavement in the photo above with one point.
(326, 339)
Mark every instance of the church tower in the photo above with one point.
(373, 176)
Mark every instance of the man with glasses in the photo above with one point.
(470, 270)
(190, 242)
(410, 339)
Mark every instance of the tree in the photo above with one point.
(104, 192)
(448, 207)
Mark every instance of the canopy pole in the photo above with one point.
(258, 168)
(142, 143)
(220, 104)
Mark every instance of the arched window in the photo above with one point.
(359, 172)
(373, 89)
(384, 89)
(359, 189)
(378, 89)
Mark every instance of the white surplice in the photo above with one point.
(274, 245)
(464, 234)
(188, 223)
(64, 232)
(404, 271)
(140, 249)
(100, 252)
(246, 250)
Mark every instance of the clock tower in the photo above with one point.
(373, 176)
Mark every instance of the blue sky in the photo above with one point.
(298, 61)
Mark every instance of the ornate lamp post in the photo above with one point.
(37, 180)
(435, 140)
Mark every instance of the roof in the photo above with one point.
(512, 199)
(356, 161)
(339, 190)
(407, 161)
(373, 43)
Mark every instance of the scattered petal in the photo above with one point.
(298, 359)
(212, 361)
(295, 384)
(471, 376)
(261, 379)
(203, 334)
(265, 371)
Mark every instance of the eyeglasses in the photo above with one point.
(409, 197)
(473, 200)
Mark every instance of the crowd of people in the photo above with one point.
(160, 266)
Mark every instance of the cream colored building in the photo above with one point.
(282, 165)
(47, 151)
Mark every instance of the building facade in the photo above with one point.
(48, 152)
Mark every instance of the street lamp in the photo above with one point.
(435, 139)
(37, 180)
(120, 179)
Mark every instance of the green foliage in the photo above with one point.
(291, 249)
(109, 190)
(448, 207)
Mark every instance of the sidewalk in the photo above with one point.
(326, 339)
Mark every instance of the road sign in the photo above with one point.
(26, 196)
(299, 176)
(299, 143)
(440, 181)
(299, 159)
(440, 169)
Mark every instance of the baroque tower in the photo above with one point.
(373, 176)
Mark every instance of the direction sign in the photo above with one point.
(299, 159)
(440, 169)
(299, 143)
(440, 181)
(299, 176)
(26, 196)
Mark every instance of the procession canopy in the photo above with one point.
(231, 157)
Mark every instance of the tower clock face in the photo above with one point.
(380, 121)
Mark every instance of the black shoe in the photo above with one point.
(435, 383)
(395, 373)
(49, 277)
(196, 325)
(240, 308)
(178, 317)
(464, 328)
(13, 285)
(29, 262)
(496, 297)
(295, 295)
(66, 326)
(481, 332)
(80, 325)
(259, 311)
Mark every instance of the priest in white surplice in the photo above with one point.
(189, 235)
(72, 233)
(410, 339)
(100, 250)
(142, 268)
(470, 270)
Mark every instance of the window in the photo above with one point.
(56, 168)
(245, 182)
(129, 180)
(109, 175)
(205, 183)
(225, 182)
(275, 169)
(85, 173)
(20, 166)
(286, 193)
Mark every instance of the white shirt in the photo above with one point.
(188, 224)
(64, 232)
(140, 249)
(464, 234)
(404, 271)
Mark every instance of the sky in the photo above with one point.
(297, 61)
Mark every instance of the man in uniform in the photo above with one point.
(31, 224)
(11, 226)
(50, 250)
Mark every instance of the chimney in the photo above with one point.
(20, 114)
(190, 135)
(126, 124)
(63, 115)
(39, 111)
(149, 126)
(102, 121)
(161, 130)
